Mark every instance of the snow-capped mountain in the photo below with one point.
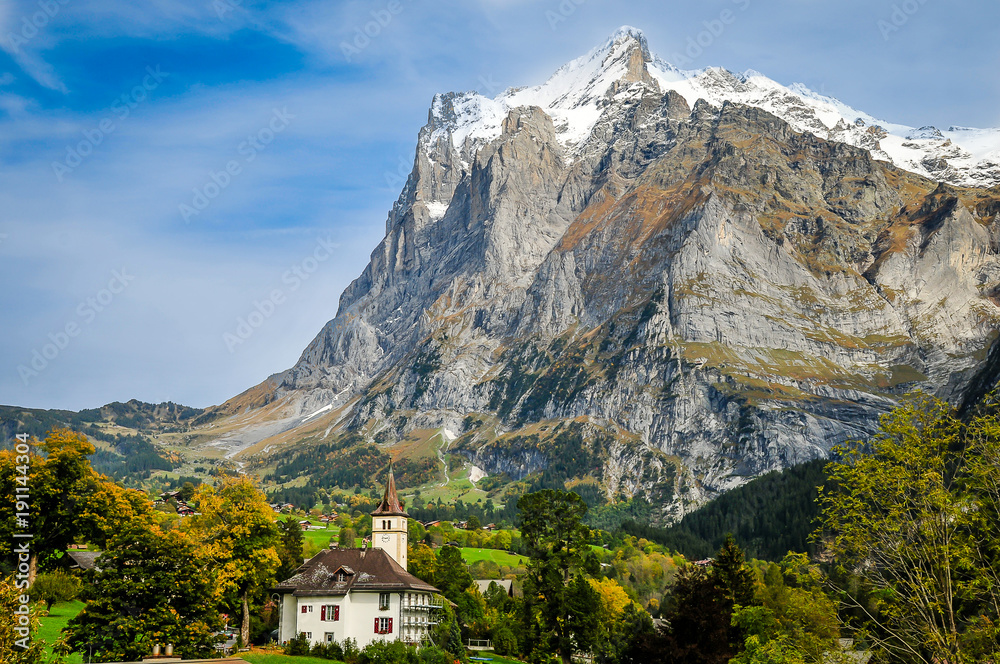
(577, 93)
(662, 282)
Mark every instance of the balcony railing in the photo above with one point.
(423, 605)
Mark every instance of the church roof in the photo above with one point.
(390, 505)
(366, 569)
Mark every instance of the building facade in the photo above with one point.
(363, 594)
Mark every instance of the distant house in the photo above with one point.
(707, 562)
(364, 594)
(304, 524)
(506, 584)
(429, 524)
(83, 560)
(184, 509)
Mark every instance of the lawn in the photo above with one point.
(268, 658)
(496, 555)
(496, 659)
(321, 538)
(53, 623)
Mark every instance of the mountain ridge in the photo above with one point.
(699, 292)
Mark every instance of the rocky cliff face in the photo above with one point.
(699, 289)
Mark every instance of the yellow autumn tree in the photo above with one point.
(68, 499)
(614, 599)
(237, 525)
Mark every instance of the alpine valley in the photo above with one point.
(648, 281)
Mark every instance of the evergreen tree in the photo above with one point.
(555, 599)
(290, 547)
(451, 575)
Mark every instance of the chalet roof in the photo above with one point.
(506, 584)
(84, 559)
(390, 505)
(373, 570)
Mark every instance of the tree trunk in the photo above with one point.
(32, 568)
(245, 625)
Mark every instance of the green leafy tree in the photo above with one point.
(237, 524)
(186, 492)
(447, 634)
(793, 620)
(421, 561)
(909, 511)
(764, 642)
(52, 587)
(556, 592)
(148, 587)
(346, 538)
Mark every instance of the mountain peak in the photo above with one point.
(627, 49)
(576, 96)
(625, 35)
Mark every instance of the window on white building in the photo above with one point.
(329, 613)
(307, 608)
(383, 625)
(383, 601)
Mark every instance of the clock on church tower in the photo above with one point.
(389, 524)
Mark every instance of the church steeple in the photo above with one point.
(389, 528)
(390, 505)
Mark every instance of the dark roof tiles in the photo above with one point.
(373, 569)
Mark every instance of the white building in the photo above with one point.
(364, 594)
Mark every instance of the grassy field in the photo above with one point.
(496, 555)
(321, 538)
(268, 658)
(496, 659)
(53, 623)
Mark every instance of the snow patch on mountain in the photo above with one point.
(576, 95)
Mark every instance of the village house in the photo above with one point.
(364, 594)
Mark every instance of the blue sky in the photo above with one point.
(169, 168)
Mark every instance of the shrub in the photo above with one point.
(297, 645)
(388, 652)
